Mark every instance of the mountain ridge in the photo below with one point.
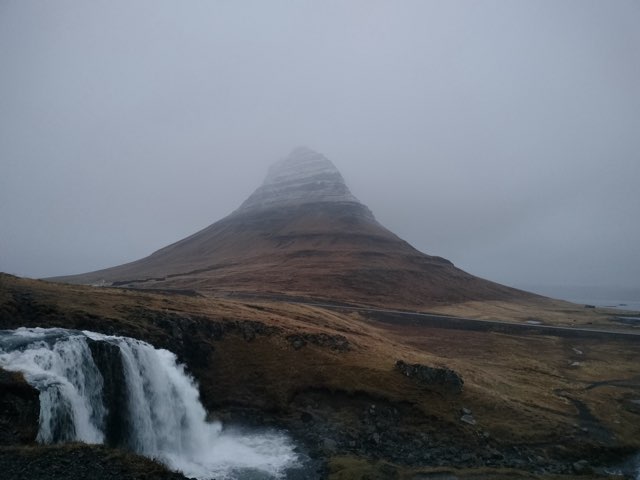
(303, 233)
(302, 177)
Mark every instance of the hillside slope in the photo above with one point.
(539, 402)
(302, 233)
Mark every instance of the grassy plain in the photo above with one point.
(538, 399)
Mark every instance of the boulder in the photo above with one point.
(468, 419)
(582, 467)
(19, 409)
(440, 378)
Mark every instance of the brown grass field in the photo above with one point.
(555, 398)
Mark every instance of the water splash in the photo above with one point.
(164, 418)
(70, 385)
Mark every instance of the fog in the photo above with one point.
(504, 136)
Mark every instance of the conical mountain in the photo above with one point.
(303, 234)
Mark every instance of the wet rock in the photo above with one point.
(468, 419)
(108, 359)
(435, 476)
(63, 462)
(19, 409)
(467, 458)
(329, 445)
(632, 405)
(389, 471)
(440, 378)
(582, 467)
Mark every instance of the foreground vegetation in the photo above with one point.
(532, 405)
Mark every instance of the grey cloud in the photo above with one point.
(501, 135)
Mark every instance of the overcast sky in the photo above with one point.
(504, 136)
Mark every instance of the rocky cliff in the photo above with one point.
(19, 409)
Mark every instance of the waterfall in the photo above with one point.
(124, 392)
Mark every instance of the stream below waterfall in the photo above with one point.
(125, 393)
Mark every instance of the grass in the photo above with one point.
(522, 389)
(547, 311)
(77, 460)
(354, 468)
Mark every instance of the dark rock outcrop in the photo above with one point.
(63, 462)
(19, 409)
(337, 343)
(192, 337)
(432, 377)
(108, 359)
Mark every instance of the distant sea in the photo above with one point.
(610, 297)
(619, 304)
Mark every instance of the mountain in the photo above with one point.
(303, 234)
(363, 393)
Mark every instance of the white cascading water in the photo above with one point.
(166, 420)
